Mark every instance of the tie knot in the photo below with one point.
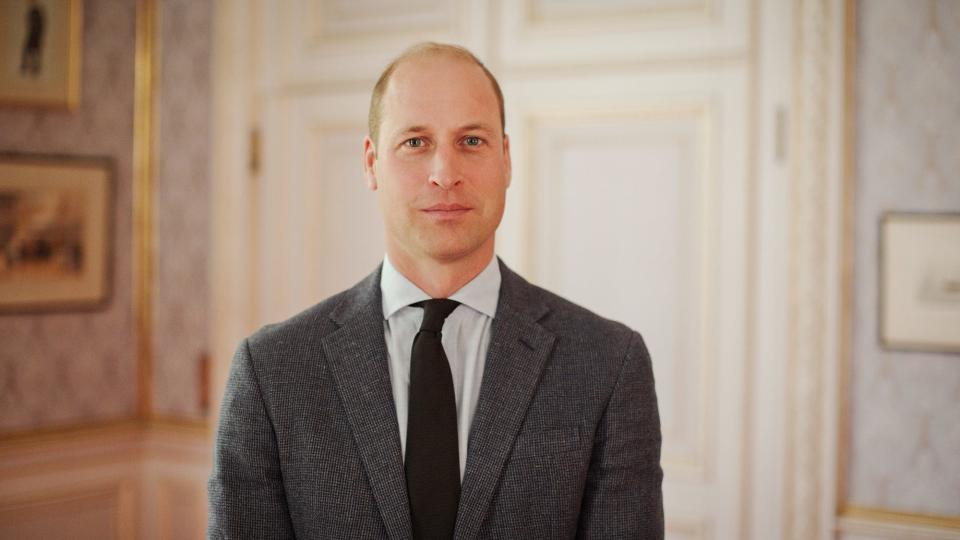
(435, 312)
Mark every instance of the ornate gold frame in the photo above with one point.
(71, 96)
(144, 172)
(143, 175)
(92, 287)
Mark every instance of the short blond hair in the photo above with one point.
(420, 50)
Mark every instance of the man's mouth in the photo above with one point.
(446, 210)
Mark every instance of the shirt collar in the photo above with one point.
(481, 293)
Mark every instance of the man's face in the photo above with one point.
(441, 165)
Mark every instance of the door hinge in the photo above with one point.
(781, 135)
(255, 156)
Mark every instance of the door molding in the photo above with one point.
(815, 268)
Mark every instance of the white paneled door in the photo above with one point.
(633, 130)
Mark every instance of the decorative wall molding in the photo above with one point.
(815, 234)
(901, 525)
(538, 11)
(332, 22)
(678, 528)
(105, 482)
(672, 145)
(181, 508)
(145, 77)
(532, 34)
(94, 511)
(686, 389)
(316, 191)
(317, 42)
(235, 128)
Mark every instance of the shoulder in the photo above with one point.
(588, 333)
(310, 326)
(567, 317)
(313, 320)
(590, 352)
(570, 322)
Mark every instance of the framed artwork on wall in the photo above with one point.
(55, 215)
(920, 281)
(40, 52)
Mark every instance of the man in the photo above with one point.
(443, 396)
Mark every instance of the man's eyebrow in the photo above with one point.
(413, 129)
(479, 126)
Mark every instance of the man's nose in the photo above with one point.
(445, 171)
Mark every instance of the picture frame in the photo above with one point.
(55, 232)
(920, 281)
(40, 52)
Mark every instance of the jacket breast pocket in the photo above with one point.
(546, 443)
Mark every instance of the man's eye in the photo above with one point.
(415, 142)
(472, 141)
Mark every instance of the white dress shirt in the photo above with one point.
(465, 339)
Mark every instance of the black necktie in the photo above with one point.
(433, 458)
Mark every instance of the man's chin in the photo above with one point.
(449, 255)
(452, 252)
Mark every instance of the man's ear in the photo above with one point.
(506, 157)
(370, 163)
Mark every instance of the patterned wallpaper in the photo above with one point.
(71, 367)
(60, 369)
(181, 211)
(905, 406)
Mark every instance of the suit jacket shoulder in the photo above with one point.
(570, 319)
(307, 444)
(585, 335)
(302, 332)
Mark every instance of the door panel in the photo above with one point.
(323, 223)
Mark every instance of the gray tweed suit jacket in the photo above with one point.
(565, 441)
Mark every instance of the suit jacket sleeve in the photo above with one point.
(246, 488)
(623, 493)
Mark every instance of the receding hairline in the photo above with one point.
(427, 49)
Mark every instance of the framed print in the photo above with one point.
(40, 52)
(54, 232)
(920, 281)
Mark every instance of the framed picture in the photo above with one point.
(54, 232)
(40, 52)
(920, 281)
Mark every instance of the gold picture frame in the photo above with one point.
(55, 232)
(40, 52)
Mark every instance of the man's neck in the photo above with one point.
(440, 279)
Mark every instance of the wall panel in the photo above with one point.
(92, 513)
(620, 203)
(117, 482)
(315, 197)
(310, 42)
(539, 33)
(630, 198)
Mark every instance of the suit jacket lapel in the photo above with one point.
(519, 348)
(357, 358)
